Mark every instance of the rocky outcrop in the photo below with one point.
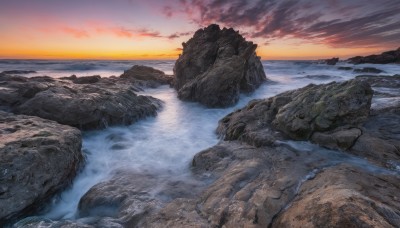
(383, 58)
(87, 103)
(147, 76)
(281, 185)
(38, 159)
(299, 113)
(215, 66)
(331, 61)
(129, 196)
(368, 70)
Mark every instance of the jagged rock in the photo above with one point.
(147, 75)
(383, 58)
(345, 196)
(38, 159)
(299, 113)
(100, 103)
(130, 196)
(215, 66)
(276, 186)
(368, 70)
(332, 61)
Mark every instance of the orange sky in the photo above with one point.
(130, 29)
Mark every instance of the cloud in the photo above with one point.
(336, 23)
(178, 35)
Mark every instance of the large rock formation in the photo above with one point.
(215, 66)
(383, 58)
(38, 158)
(87, 103)
(299, 113)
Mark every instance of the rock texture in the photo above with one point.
(87, 103)
(299, 113)
(38, 158)
(383, 58)
(147, 76)
(129, 201)
(332, 61)
(368, 70)
(215, 66)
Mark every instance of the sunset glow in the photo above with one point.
(154, 29)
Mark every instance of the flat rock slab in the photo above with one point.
(38, 159)
(86, 103)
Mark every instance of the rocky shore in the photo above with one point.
(324, 155)
(40, 157)
(383, 58)
(84, 102)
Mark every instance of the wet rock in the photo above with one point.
(263, 187)
(17, 72)
(381, 81)
(38, 159)
(215, 66)
(87, 79)
(299, 113)
(368, 70)
(332, 61)
(345, 196)
(321, 77)
(345, 68)
(339, 139)
(129, 197)
(383, 58)
(148, 76)
(100, 103)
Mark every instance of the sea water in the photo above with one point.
(165, 145)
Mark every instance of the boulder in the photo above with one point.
(383, 58)
(332, 61)
(299, 113)
(215, 66)
(368, 70)
(86, 103)
(148, 76)
(38, 159)
(129, 196)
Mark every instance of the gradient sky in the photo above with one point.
(155, 29)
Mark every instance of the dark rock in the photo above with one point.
(19, 72)
(321, 77)
(368, 70)
(381, 81)
(299, 113)
(87, 79)
(130, 196)
(383, 58)
(38, 159)
(215, 66)
(276, 186)
(331, 61)
(98, 104)
(149, 76)
(345, 68)
(344, 196)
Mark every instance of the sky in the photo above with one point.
(155, 29)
